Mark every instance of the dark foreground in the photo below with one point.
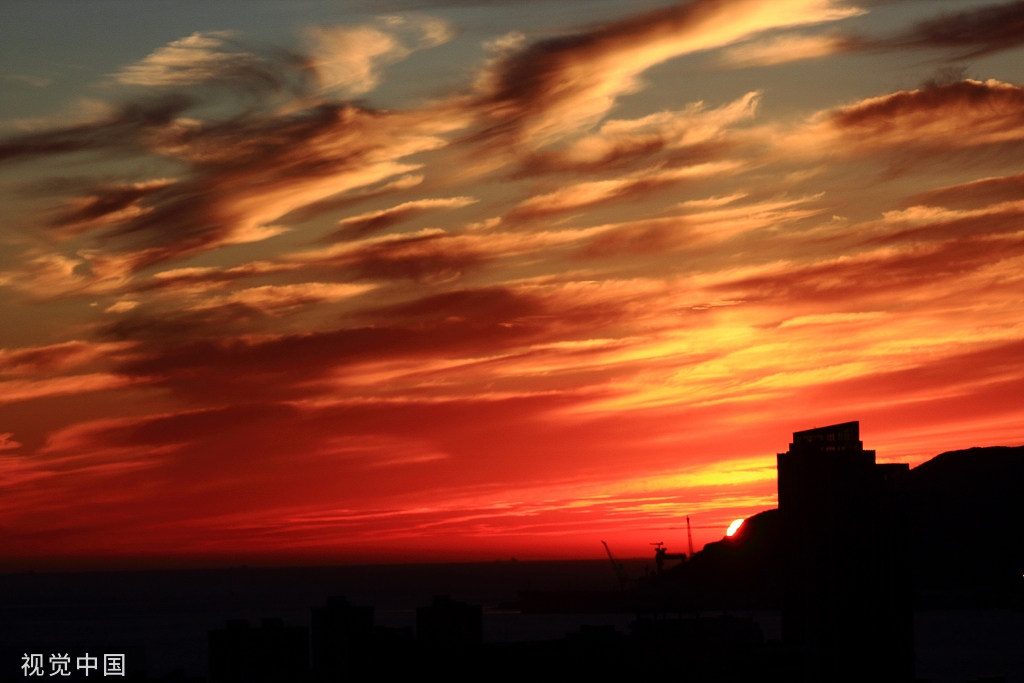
(950, 526)
(162, 622)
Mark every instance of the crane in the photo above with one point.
(620, 571)
(661, 554)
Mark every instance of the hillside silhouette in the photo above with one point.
(968, 549)
(967, 521)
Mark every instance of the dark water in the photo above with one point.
(169, 613)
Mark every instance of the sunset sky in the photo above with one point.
(315, 282)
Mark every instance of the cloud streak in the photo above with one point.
(633, 185)
(350, 58)
(782, 49)
(375, 221)
(969, 34)
(559, 86)
(241, 172)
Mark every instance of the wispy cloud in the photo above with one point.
(781, 49)
(599, 191)
(563, 85)
(349, 59)
(198, 58)
(375, 221)
(57, 357)
(241, 172)
(622, 142)
(16, 390)
(967, 34)
(276, 299)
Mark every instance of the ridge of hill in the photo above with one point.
(967, 521)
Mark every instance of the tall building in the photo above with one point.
(269, 654)
(342, 641)
(848, 592)
(450, 624)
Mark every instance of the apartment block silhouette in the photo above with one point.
(848, 589)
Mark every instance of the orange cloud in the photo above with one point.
(431, 254)
(278, 299)
(12, 391)
(348, 199)
(207, 277)
(107, 206)
(349, 58)
(782, 49)
(564, 85)
(973, 194)
(939, 118)
(57, 357)
(241, 172)
(620, 142)
(50, 275)
(374, 221)
(599, 191)
(197, 58)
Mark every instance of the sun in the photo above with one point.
(734, 527)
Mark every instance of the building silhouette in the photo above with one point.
(269, 654)
(847, 586)
(449, 624)
(342, 640)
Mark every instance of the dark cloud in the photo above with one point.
(243, 165)
(968, 34)
(533, 96)
(623, 154)
(348, 200)
(55, 357)
(208, 277)
(980, 223)
(991, 99)
(430, 256)
(916, 250)
(426, 256)
(203, 363)
(968, 124)
(973, 194)
(644, 238)
(105, 205)
(216, 369)
(123, 131)
(537, 79)
(871, 275)
(493, 305)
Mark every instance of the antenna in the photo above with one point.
(689, 535)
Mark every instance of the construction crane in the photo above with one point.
(689, 535)
(620, 571)
(661, 554)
